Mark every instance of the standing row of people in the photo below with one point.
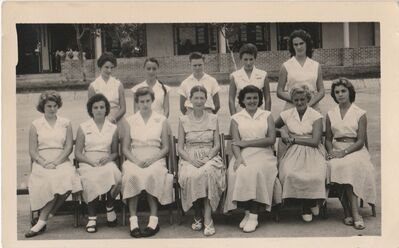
(254, 181)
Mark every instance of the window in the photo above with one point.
(255, 33)
(198, 37)
(285, 29)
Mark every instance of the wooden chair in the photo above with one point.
(170, 163)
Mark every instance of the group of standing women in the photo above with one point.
(255, 179)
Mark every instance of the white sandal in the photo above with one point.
(197, 225)
(209, 230)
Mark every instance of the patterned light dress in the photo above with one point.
(98, 180)
(258, 180)
(241, 80)
(208, 181)
(303, 169)
(44, 183)
(145, 142)
(355, 168)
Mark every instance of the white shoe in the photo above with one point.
(307, 217)
(245, 219)
(315, 210)
(251, 224)
(209, 230)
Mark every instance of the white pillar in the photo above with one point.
(346, 35)
(98, 45)
(222, 41)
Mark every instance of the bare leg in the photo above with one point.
(92, 207)
(153, 203)
(197, 209)
(253, 207)
(132, 203)
(45, 211)
(353, 201)
(207, 212)
(60, 199)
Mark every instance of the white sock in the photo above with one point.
(111, 216)
(39, 225)
(133, 222)
(245, 219)
(153, 222)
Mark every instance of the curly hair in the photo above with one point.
(105, 57)
(142, 91)
(249, 89)
(305, 36)
(300, 89)
(97, 98)
(347, 84)
(248, 48)
(49, 95)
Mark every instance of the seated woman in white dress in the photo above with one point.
(201, 170)
(53, 176)
(252, 174)
(145, 146)
(97, 149)
(303, 168)
(349, 160)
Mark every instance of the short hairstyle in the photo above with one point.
(249, 89)
(97, 98)
(107, 56)
(300, 88)
(142, 91)
(196, 55)
(198, 88)
(49, 95)
(152, 59)
(347, 84)
(305, 36)
(248, 48)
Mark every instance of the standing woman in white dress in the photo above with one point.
(111, 88)
(252, 174)
(145, 146)
(349, 160)
(303, 168)
(53, 176)
(97, 149)
(302, 69)
(248, 75)
(161, 91)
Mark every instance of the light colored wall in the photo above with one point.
(159, 40)
(332, 35)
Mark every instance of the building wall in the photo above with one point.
(159, 40)
(376, 34)
(332, 35)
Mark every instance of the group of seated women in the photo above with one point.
(254, 179)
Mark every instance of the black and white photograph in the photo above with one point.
(198, 129)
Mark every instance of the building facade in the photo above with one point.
(40, 45)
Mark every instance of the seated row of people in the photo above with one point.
(255, 179)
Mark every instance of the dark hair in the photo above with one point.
(347, 84)
(107, 56)
(305, 36)
(198, 88)
(196, 55)
(249, 89)
(248, 48)
(143, 91)
(154, 60)
(49, 95)
(97, 98)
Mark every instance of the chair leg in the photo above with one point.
(276, 213)
(76, 212)
(123, 214)
(171, 214)
(373, 210)
(324, 210)
(361, 203)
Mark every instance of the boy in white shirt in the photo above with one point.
(199, 77)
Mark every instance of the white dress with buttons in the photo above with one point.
(44, 183)
(355, 168)
(145, 143)
(98, 180)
